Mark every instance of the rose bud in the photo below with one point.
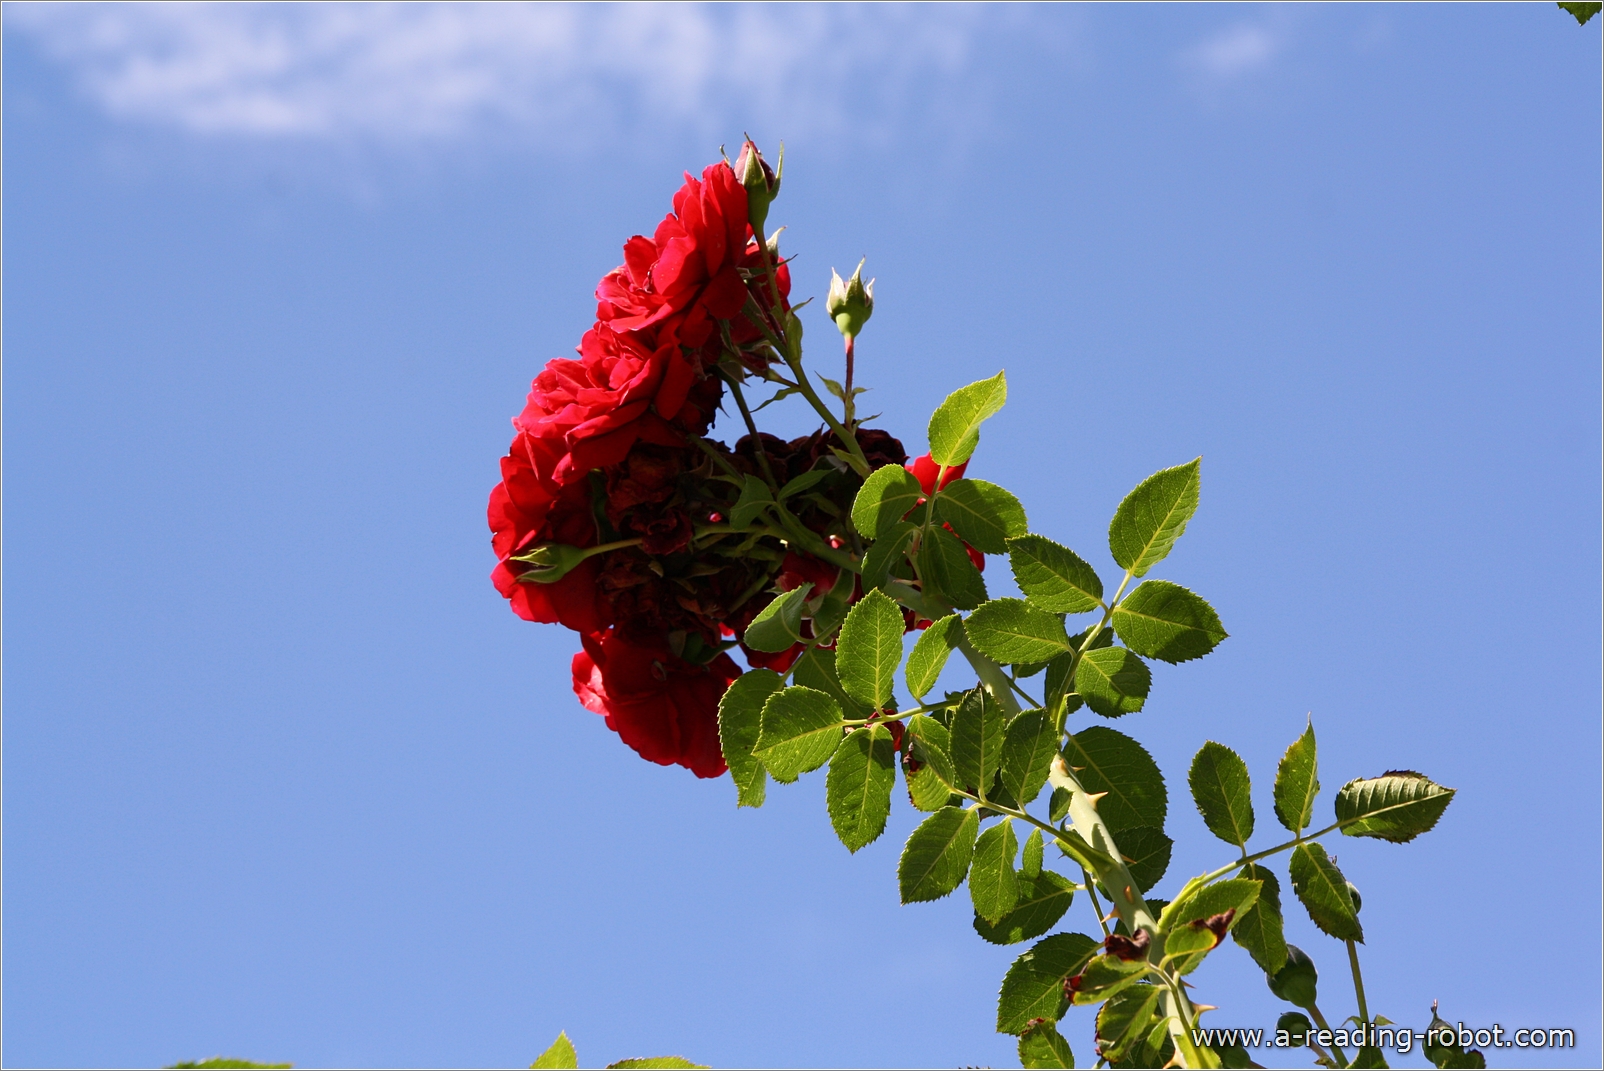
(761, 182)
(850, 303)
(551, 561)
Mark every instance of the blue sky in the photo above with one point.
(284, 778)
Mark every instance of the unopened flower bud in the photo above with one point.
(762, 182)
(850, 303)
(551, 561)
(1296, 982)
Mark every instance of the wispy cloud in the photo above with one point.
(404, 72)
(1239, 50)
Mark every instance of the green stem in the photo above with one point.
(858, 460)
(1256, 856)
(1097, 905)
(751, 427)
(898, 716)
(1358, 984)
(1337, 1054)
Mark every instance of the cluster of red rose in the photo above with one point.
(611, 448)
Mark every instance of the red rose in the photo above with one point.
(659, 704)
(687, 269)
(589, 412)
(925, 470)
(524, 512)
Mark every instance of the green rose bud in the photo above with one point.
(1295, 983)
(850, 303)
(551, 561)
(1297, 1025)
(762, 182)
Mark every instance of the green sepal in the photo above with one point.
(1041, 902)
(1108, 761)
(1166, 621)
(954, 429)
(800, 730)
(937, 854)
(1153, 516)
(755, 498)
(869, 649)
(978, 730)
(740, 719)
(1146, 852)
(1029, 744)
(1011, 631)
(560, 1055)
(1259, 929)
(984, 515)
(778, 626)
(1041, 1045)
(1223, 792)
(884, 499)
(1398, 806)
(1053, 577)
(857, 789)
(881, 559)
(1125, 1021)
(1323, 891)
(930, 653)
(1113, 681)
(1033, 988)
(945, 568)
(1297, 783)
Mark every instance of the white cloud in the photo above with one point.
(398, 72)
(1240, 50)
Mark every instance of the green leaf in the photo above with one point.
(1153, 516)
(1108, 761)
(1368, 1057)
(755, 498)
(779, 624)
(1204, 901)
(984, 515)
(1053, 577)
(1323, 892)
(1124, 1022)
(1010, 631)
(884, 555)
(1442, 1047)
(832, 609)
(884, 499)
(1259, 929)
(857, 790)
(978, 729)
(1041, 902)
(937, 854)
(929, 655)
(800, 730)
(1033, 988)
(740, 718)
(656, 1061)
(993, 882)
(926, 791)
(234, 1062)
(1297, 783)
(816, 670)
(945, 568)
(1166, 621)
(1397, 806)
(1029, 744)
(1223, 792)
(932, 745)
(869, 649)
(1041, 1045)
(1106, 975)
(1112, 681)
(1581, 12)
(561, 1054)
(1030, 861)
(1146, 852)
(802, 482)
(955, 425)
